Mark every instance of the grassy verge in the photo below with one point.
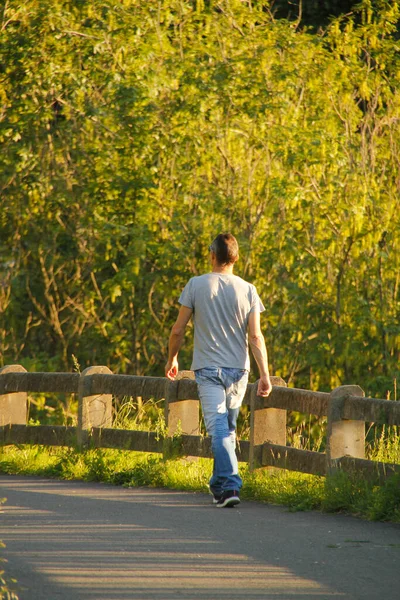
(297, 491)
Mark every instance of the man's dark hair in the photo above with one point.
(226, 248)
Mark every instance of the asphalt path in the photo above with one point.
(90, 541)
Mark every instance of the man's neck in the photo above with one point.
(223, 269)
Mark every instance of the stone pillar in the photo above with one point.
(183, 415)
(344, 437)
(94, 410)
(13, 406)
(266, 424)
(180, 416)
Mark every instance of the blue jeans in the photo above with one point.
(221, 392)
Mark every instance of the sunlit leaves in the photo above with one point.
(132, 132)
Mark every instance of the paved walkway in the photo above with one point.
(82, 541)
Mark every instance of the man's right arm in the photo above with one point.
(259, 350)
(175, 341)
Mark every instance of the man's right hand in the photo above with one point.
(171, 369)
(264, 386)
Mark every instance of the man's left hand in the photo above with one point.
(264, 386)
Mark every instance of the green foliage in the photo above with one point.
(385, 444)
(132, 132)
(134, 413)
(297, 491)
(52, 409)
(385, 501)
(313, 13)
(6, 584)
(147, 472)
(354, 494)
(343, 491)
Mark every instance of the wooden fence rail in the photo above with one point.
(346, 410)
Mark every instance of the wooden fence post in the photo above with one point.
(13, 406)
(181, 416)
(94, 410)
(266, 424)
(344, 437)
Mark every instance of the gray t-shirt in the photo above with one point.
(221, 305)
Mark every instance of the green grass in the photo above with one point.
(385, 444)
(296, 491)
(6, 584)
(6, 592)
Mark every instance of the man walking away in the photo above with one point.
(226, 315)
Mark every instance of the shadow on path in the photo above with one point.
(82, 541)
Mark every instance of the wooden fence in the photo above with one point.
(346, 409)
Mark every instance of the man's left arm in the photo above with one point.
(257, 345)
(175, 341)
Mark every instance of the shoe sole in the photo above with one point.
(229, 502)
